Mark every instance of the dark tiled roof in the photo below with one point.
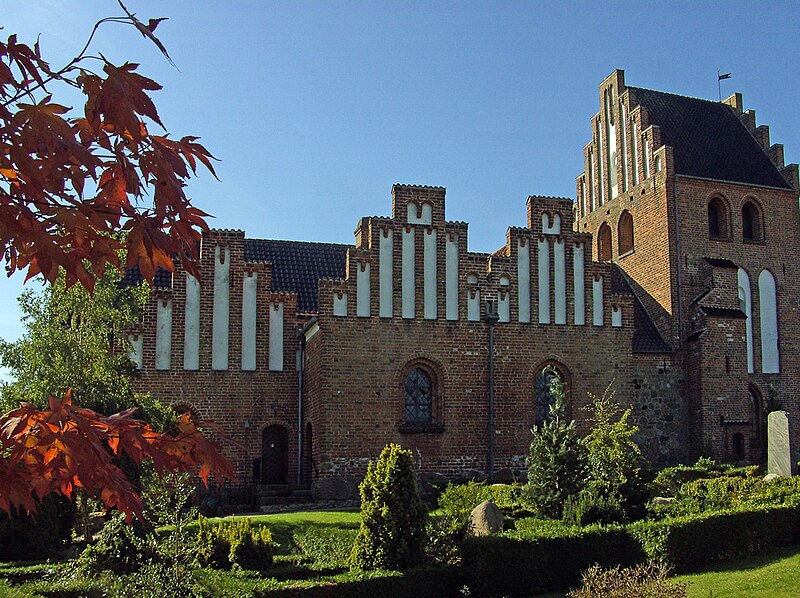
(723, 312)
(719, 262)
(708, 139)
(162, 279)
(646, 338)
(297, 266)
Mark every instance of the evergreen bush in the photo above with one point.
(557, 466)
(235, 542)
(391, 534)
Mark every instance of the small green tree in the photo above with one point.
(74, 340)
(615, 491)
(391, 534)
(557, 462)
(614, 457)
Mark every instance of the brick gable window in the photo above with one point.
(544, 396)
(604, 243)
(752, 227)
(718, 219)
(625, 233)
(421, 398)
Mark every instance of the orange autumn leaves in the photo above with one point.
(75, 189)
(66, 447)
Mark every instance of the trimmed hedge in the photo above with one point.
(525, 562)
(513, 565)
(687, 543)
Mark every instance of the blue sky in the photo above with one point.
(316, 108)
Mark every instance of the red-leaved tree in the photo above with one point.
(77, 188)
(66, 447)
(73, 186)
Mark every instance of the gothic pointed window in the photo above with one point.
(419, 397)
(625, 233)
(752, 228)
(718, 219)
(604, 243)
(543, 389)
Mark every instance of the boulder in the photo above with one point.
(663, 500)
(771, 476)
(485, 520)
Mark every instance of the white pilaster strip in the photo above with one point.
(362, 290)
(746, 304)
(504, 305)
(409, 273)
(451, 274)
(191, 325)
(249, 307)
(385, 283)
(429, 274)
(339, 304)
(597, 301)
(473, 305)
(560, 281)
(136, 349)
(221, 315)
(276, 337)
(578, 284)
(524, 280)
(768, 312)
(544, 281)
(163, 333)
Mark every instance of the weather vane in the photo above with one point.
(720, 78)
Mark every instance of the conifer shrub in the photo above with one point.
(235, 542)
(557, 466)
(391, 533)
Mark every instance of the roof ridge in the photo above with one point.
(679, 95)
(300, 242)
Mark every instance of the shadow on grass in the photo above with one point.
(751, 562)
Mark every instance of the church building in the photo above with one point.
(670, 277)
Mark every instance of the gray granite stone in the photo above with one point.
(779, 449)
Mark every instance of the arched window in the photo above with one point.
(543, 389)
(604, 243)
(421, 398)
(625, 232)
(718, 219)
(768, 321)
(752, 223)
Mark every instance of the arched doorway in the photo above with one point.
(274, 455)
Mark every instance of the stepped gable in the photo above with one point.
(646, 338)
(297, 266)
(708, 139)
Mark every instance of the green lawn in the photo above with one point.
(282, 525)
(771, 575)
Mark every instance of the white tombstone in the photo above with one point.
(779, 445)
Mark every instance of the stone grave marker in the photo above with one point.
(779, 446)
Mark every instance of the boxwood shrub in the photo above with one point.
(520, 564)
(692, 541)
